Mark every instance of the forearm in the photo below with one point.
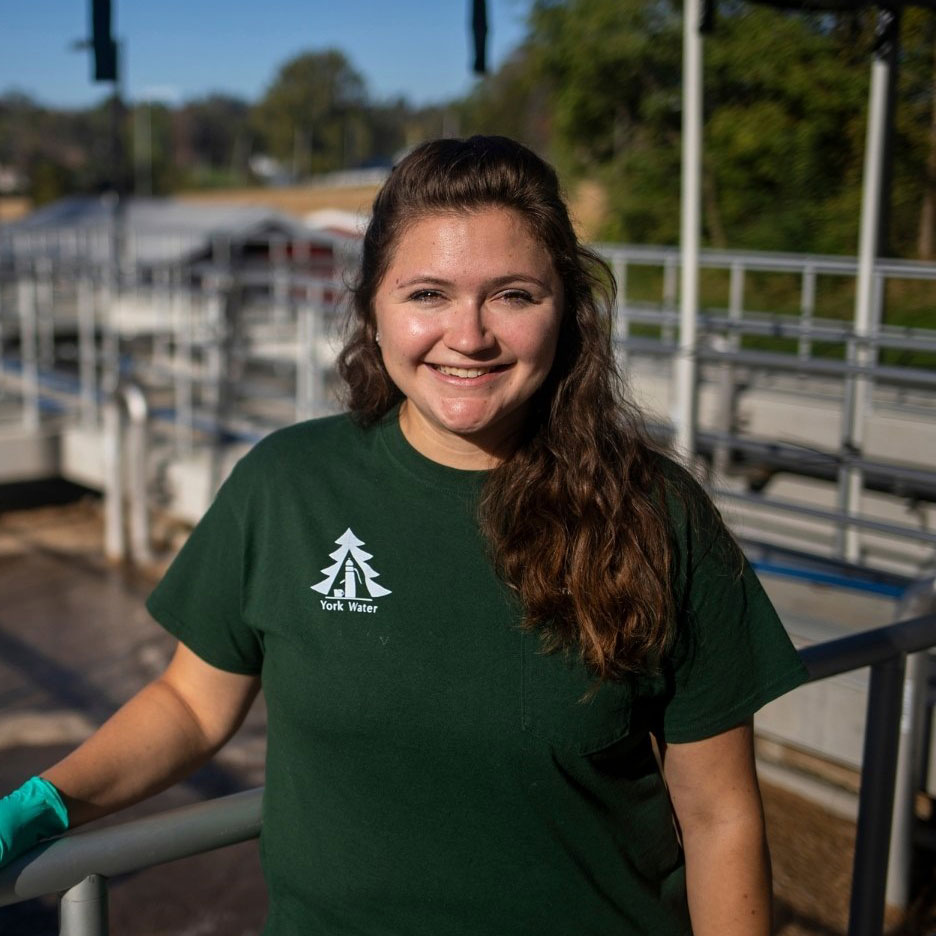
(728, 878)
(150, 743)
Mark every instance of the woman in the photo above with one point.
(472, 602)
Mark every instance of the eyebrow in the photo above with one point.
(492, 283)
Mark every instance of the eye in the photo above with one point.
(425, 295)
(516, 297)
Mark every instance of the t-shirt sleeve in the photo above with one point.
(731, 654)
(200, 599)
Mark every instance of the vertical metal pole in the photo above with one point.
(305, 364)
(735, 301)
(726, 372)
(26, 301)
(877, 320)
(917, 600)
(807, 310)
(876, 799)
(184, 363)
(843, 489)
(873, 210)
(110, 338)
(280, 290)
(45, 312)
(134, 400)
(211, 367)
(83, 908)
(686, 364)
(670, 292)
(215, 330)
(320, 356)
(114, 539)
(87, 363)
(162, 300)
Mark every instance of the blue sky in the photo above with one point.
(179, 49)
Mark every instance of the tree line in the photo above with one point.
(595, 87)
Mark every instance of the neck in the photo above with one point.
(452, 450)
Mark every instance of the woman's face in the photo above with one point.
(468, 316)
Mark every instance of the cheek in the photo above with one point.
(539, 347)
(408, 335)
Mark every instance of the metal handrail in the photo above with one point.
(885, 650)
(765, 261)
(80, 864)
(867, 648)
(133, 846)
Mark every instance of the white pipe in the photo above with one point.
(114, 541)
(686, 366)
(137, 410)
(871, 205)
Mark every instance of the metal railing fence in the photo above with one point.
(229, 345)
(882, 356)
(77, 866)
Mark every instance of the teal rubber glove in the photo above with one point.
(33, 812)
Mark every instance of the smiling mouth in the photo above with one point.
(467, 373)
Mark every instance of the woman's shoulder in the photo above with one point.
(322, 435)
(307, 446)
(683, 493)
(697, 528)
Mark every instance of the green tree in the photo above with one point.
(511, 101)
(212, 140)
(784, 136)
(313, 116)
(785, 96)
(612, 68)
(913, 217)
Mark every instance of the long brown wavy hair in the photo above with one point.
(575, 517)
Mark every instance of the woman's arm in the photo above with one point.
(713, 787)
(162, 734)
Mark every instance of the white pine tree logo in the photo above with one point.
(350, 571)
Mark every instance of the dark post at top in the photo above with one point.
(479, 27)
(102, 42)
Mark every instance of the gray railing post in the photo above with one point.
(83, 908)
(137, 410)
(114, 538)
(183, 364)
(807, 308)
(126, 403)
(876, 799)
(307, 363)
(29, 354)
(917, 600)
(87, 350)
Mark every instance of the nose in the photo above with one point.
(468, 330)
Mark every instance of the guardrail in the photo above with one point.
(78, 866)
(229, 345)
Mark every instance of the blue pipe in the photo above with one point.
(830, 578)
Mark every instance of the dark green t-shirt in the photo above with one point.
(429, 770)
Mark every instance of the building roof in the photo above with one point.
(156, 231)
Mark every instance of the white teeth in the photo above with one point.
(463, 371)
